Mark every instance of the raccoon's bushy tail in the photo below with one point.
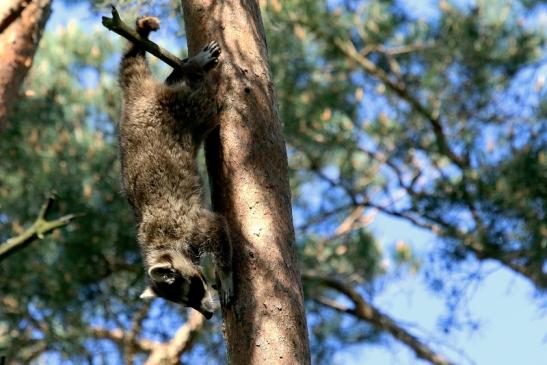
(133, 67)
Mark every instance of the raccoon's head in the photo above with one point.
(179, 280)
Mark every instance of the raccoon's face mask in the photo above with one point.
(189, 290)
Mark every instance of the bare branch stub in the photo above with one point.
(118, 26)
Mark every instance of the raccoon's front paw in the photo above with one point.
(226, 288)
(208, 57)
(146, 24)
(212, 48)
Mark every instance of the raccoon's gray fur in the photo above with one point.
(161, 130)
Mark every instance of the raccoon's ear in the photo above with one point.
(163, 273)
(148, 293)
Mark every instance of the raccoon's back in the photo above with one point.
(157, 166)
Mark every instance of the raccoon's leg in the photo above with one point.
(187, 90)
(133, 66)
(213, 234)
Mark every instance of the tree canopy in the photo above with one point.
(392, 113)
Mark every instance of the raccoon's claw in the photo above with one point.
(213, 48)
(208, 57)
(226, 293)
(226, 296)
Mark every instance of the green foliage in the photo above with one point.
(355, 254)
(62, 138)
(361, 142)
(457, 70)
(58, 140)
(368, 136)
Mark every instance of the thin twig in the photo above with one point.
(117, 25)
(39, 229)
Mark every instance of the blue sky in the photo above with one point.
(513, 328)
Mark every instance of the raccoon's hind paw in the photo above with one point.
(150, 23)
(208, 57)
(146, 24)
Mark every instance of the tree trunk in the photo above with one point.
(247, 166)
(21, 26)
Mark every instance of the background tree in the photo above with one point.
(434, 117)
(21, 25)
(447, 119)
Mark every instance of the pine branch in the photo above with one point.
(367, 312)
(39, 229)
(347, 47)
(117, 25)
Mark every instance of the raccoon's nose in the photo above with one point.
(207, 314)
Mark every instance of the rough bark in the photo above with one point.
(21, 26)
(247, 166)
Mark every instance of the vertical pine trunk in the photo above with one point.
(247, 164)
(21, 26)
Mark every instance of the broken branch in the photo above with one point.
(117, 25)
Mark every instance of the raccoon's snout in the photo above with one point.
(207, 305)
(207, 315)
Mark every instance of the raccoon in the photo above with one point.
(160, 133)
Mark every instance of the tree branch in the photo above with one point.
(170, 352)
(117, 25)
(118, 336)
(367, 312)
(347, 47)
(473, 243)
(39, 229)
(167, 353)
(131, 338)
(470, 241)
